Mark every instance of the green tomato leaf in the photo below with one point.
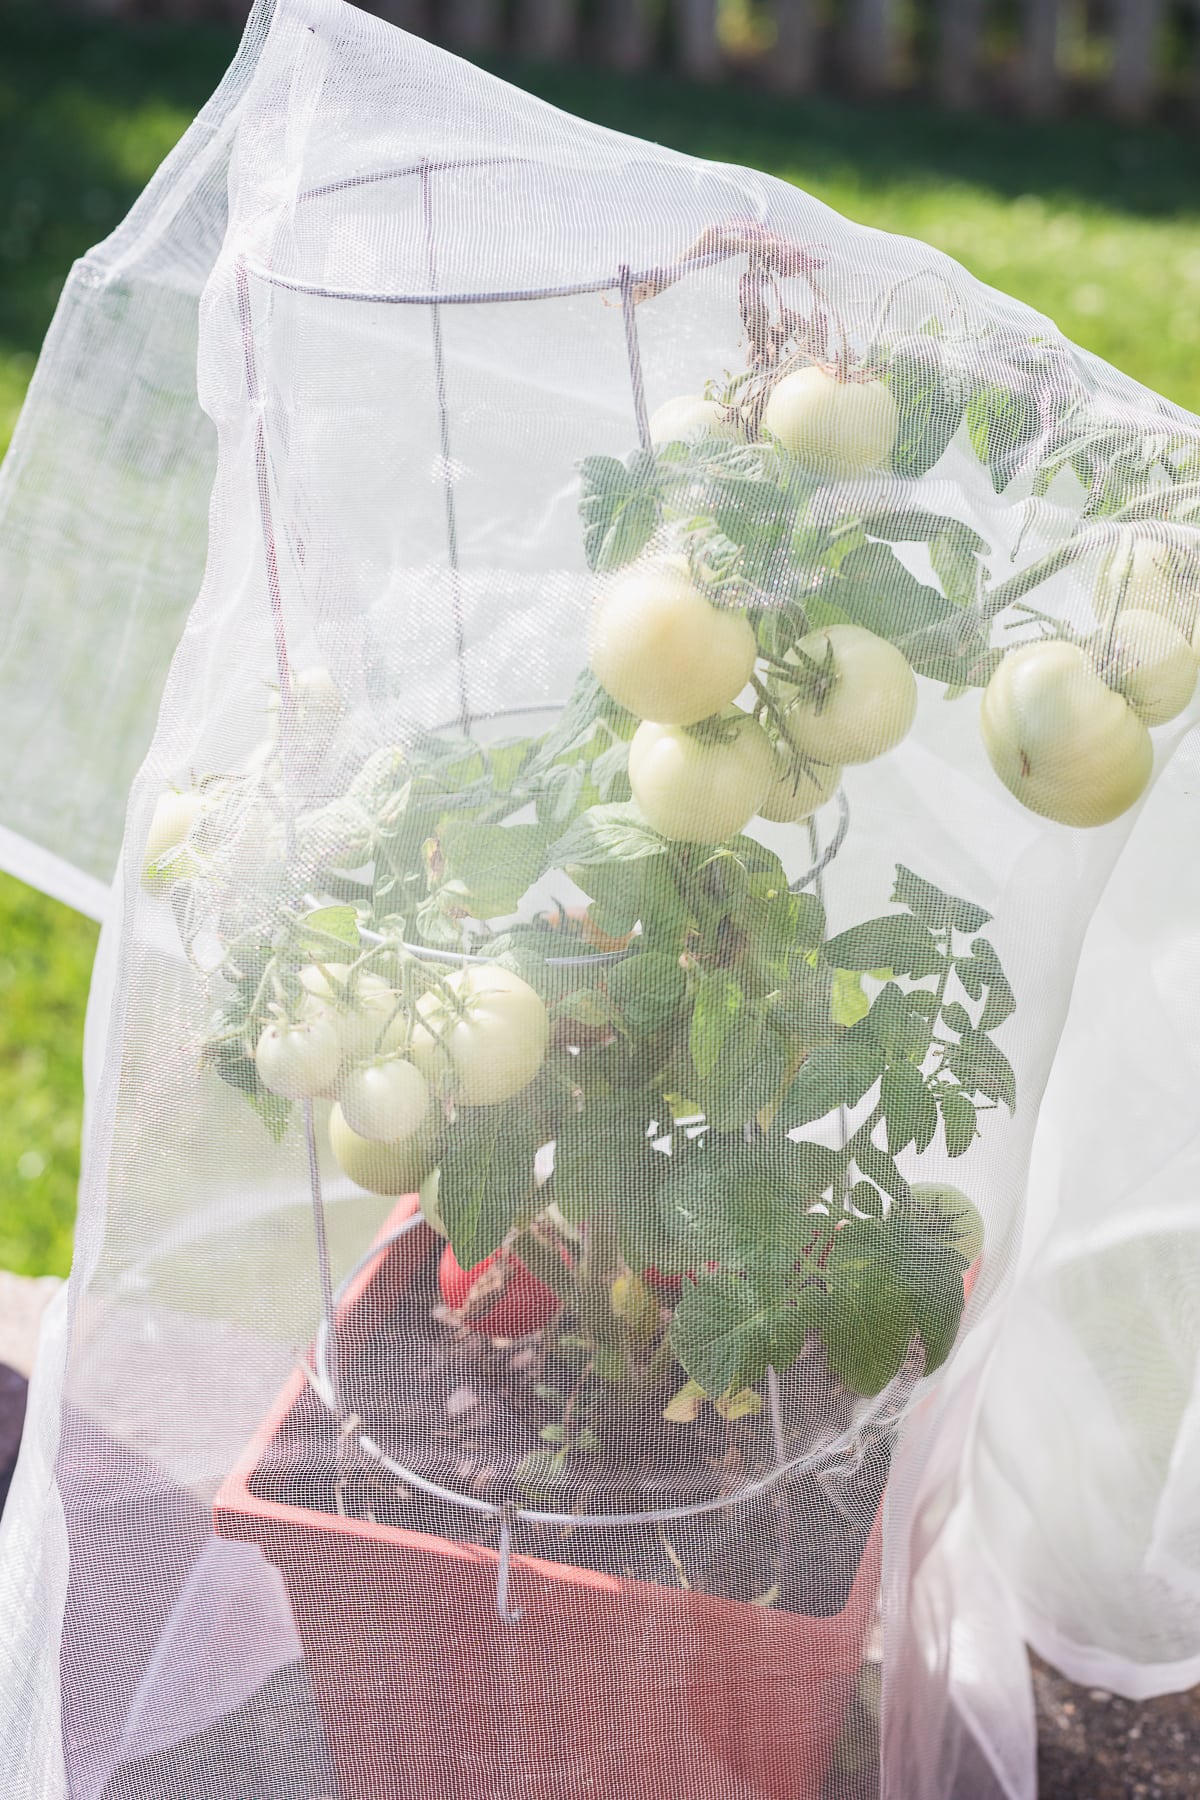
(896, 941)
(999, 1006)
(983, 1069)
(909, 1109)
(647, 989)
(940, 638)
(933, 908)
(227, 1056)
(929, 399)
(956, 1017)
(983, 969)
(866, 1318)
(849, 1003)
(916, 525)
(715, 1013)
(315, 931)
(902, 1023)
(880, 1167)
(612, 833)
(1002, 422)
(486, 1176)
(957, 568)
(959, 1122)
(494, 865)
(618, 507)
(727, 1329)
(838, 1074)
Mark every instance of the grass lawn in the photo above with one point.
(1097, 226)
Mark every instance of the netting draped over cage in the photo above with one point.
(638, 1230)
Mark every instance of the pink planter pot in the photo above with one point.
(608, 1689)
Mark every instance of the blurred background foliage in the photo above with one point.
(1095, 224)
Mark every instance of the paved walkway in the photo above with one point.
(22, 1303)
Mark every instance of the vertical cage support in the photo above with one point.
(445, 466)
(287, 725)
(633, 352)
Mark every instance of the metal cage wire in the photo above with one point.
(624, 282)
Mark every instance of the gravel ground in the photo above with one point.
(1093, 1745)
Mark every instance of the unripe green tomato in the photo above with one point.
(663, 650)
(384, 1100)
(835, 427)
(799, 790)
(954, 1206)
(690, 416)
(495, 1049)
(1148, 660)
(299, 1060)
(1062, 741)
(166, 857)
(395, 1168)
(868, 705)
(1144, 575)
(696, 788)
(362, 1011)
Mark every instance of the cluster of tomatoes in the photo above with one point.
(699, 766)
(477, 1037)
(1064, 719)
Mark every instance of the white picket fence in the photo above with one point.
(1132, 57)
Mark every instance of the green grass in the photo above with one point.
(1097, 226)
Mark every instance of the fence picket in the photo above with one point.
(1131, 85)
(873, 43)
(472, 26)
(790, 64)
(545, 29)
(627, 34)
(960, 49)
(1040, 89)
(410, 15)
(697, 47)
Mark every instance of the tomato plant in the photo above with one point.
(688, 1129)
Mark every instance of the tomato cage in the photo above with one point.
(625, 284)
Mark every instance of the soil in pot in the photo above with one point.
(466, 1412)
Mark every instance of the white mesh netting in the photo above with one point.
(672, 739)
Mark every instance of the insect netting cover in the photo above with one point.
(578, 1289)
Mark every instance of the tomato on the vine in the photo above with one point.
(1062, 741)
(166, 857)
(855, 695)
(799, 789)
(483, 1032)
(701, 786)
(690, 416)
(396, 1167)
(1148, 660)
(384, 1100)
(1143, 574)
(362, 1004)
(299, 1059)
(836, 427)
(663, 650)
